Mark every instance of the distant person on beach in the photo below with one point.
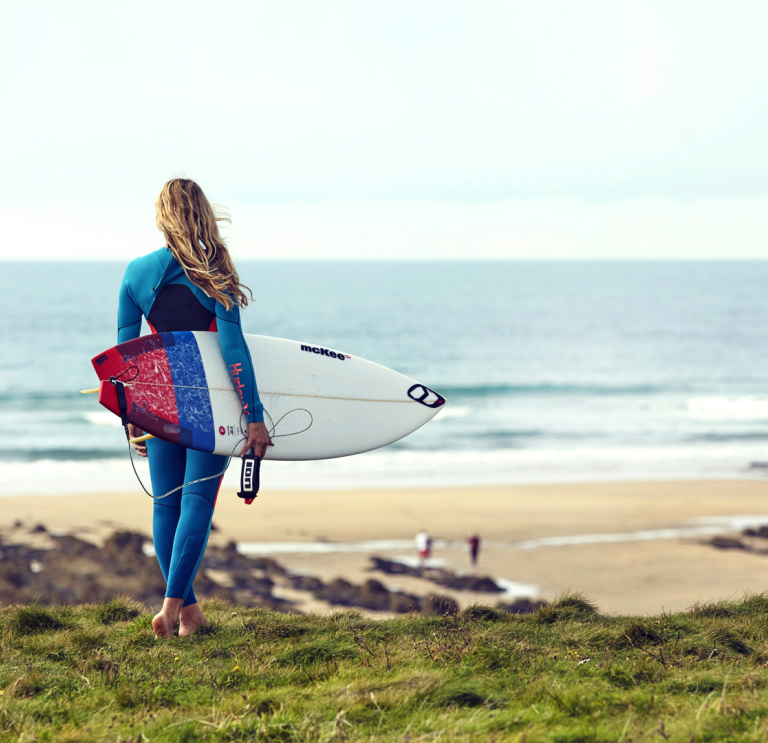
(474, 548)
(423, 546)
(190, 284)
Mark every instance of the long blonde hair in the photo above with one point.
(190, 225)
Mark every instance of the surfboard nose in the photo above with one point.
(426, 396)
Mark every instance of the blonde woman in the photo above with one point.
(190, 284)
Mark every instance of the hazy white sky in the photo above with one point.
(592, 129)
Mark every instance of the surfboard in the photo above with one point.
(319, 403)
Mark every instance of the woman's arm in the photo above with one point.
(128, 314)
(129, 327)
(240, 366)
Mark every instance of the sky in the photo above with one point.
(616, 129)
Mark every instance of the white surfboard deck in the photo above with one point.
(318, 403)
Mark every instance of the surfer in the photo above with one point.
(474, 548)
(190, 284)
(423, 546)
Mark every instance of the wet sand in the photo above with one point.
(623, 577)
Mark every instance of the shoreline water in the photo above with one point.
(384, 470)
(552, 372)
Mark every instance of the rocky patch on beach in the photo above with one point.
(749, 540)
(440, 576)
(68, 570)
(371, 595)
(449, 579)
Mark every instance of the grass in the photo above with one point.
(565, 673)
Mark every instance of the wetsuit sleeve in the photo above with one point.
(238, 360)
(128, 314)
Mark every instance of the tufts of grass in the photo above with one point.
(85, 641)
(752, 604)
(139, 625)
(119, 610)
(482, 613)
(464, 693)
(567, 607)
(208, 631)
(712, 609)
(266, 631)
(126, 697)
(638, 633)
(725, 637)
(320, 651)
(33, 618)
(29, 684)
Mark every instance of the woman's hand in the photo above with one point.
(258, 439)
(141, 448)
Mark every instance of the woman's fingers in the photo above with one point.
(134, 432)
(259, 447)
(258, 440)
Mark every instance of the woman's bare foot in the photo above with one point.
(192, 620)
(164, 623)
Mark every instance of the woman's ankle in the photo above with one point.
(172, 607)
(193, 611)
(192, 619)
(164, 623)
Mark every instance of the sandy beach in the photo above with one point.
(310, 531)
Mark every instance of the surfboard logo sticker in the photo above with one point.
(325, 352)
(426, 396)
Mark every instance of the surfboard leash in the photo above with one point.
(183, 485)
(122, 403)
(251, 464)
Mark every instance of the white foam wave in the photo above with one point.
(698, 527)
(322, 548)
(402, 468)
(510, 466)
(516, 590)
(729, 408)
(460, 411)
(51, 477)
(102, 418)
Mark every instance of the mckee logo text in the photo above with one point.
(325, 352)
(234, 373)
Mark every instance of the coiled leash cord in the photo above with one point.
(251, 464)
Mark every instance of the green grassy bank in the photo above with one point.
(564, 673)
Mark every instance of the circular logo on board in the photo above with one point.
(222, 430)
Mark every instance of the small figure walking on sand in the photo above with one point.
(474, 548)
(423, 546)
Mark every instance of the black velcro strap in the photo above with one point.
(249, 477)
(122, 403)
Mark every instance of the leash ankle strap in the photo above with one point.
(249, 477)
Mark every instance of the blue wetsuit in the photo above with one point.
(156, 287)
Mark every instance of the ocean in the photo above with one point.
(553, 371)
